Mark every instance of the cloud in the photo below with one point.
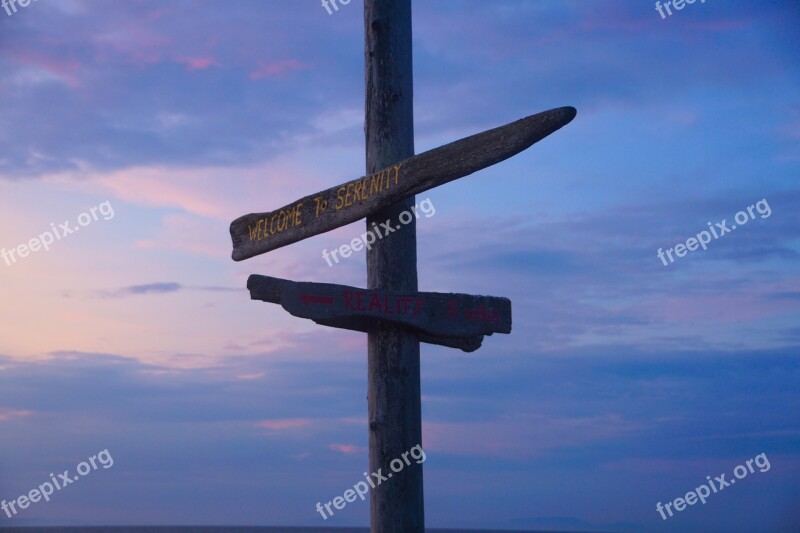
(560, 426)
(276, 69)
(284, 424)
(585, 276)
(158, 288)
(347, 448)
(526, 434)
(198, 62)
(10, 414)
(488, 420)
(192, 115)
(154, 288)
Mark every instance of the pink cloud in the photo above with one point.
(346, 448)
(276, 69)
(155, 187)
(60, 68)
(9, 414)
(134, 42)
(198, 62)
(283, 424)
(189, 234)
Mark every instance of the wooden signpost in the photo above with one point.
(393, 313)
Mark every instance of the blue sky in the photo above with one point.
(624, 382)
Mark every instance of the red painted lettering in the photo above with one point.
(348, 300)
(360, 301)
(420, 304)
(375, 302)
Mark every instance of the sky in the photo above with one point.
(627, 379)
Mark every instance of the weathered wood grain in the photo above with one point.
(394, 393)
(258, 233)
(447, 319)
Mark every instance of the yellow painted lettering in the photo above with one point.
(347, 200)
(339, 197)
(298, 212)
(321, 204)
(396, 173)
(281, 225)
(375, 184)
(290, 216)
(364, 193)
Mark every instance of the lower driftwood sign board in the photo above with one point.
(455, 320)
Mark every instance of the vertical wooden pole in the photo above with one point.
(395, 418)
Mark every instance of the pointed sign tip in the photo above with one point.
(569, 113)
(562, 115)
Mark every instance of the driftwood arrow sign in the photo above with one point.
(455, 320)
(258, 233)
